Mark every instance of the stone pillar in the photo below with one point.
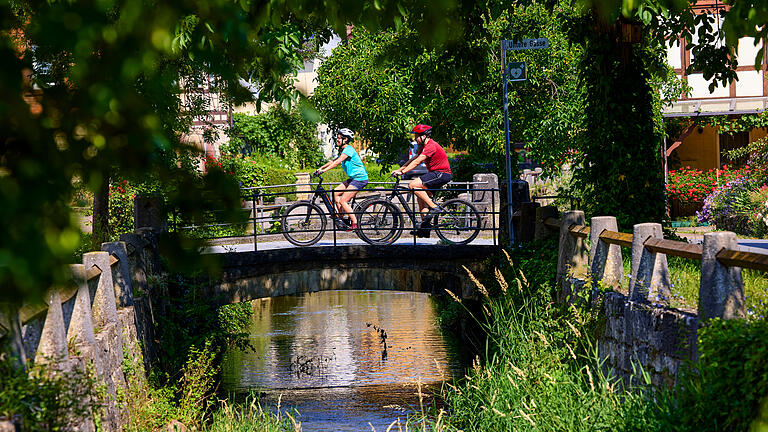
(53, 341)
(151, 250)
(121, 273)
(81, 325)
(605, 259)
(14, 341)
(649, 273)
(721, 293)
(528, 221)
(302, 186)
(104, 303)
(487, 202)
(540, 231)
(572, 255)
(149, 211)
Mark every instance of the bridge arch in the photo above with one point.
(430, 269)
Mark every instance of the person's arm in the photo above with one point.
(332, 164)
(413, 163)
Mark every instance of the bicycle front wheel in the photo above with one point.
(303, 223)
(379, 222)
(458, 223)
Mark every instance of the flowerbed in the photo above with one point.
(692, 185)
(741, 203)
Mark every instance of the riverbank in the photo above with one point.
(541, 371)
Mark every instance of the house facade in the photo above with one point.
(705, 147)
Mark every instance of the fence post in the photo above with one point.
(486, 200)
(15, 341)
(605, 259)
(572, 255)
(540, 231)
(53, 339)
(528, 221)
(104, 303)
(721, 293)
(121, 273)
(302, 186)
(149, 211)
(649, 275)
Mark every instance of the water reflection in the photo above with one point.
(343, 358)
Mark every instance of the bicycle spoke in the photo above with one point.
(459, 222)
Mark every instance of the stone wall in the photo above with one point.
(93, 323)
(642, 333)
(638, 336)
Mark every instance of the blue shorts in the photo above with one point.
(357, 184)
(435, 179)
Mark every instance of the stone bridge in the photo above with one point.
(429, 269)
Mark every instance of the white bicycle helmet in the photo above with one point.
(346, 133)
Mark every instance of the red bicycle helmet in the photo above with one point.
(422, 129)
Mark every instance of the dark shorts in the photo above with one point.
(435, 179)
(357, 184)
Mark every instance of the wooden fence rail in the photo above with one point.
(721, 290)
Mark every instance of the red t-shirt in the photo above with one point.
(437, 160)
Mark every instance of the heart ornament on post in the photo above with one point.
(516, 71)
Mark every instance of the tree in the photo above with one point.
(110, 72)
(381, 84)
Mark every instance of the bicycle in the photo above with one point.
(304, 222)
(381, 222)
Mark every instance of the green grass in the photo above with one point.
(250, 417)
(685, 278)
(540, 371)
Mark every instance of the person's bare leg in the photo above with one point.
(423, 197)
(338, 192)
(346, 197)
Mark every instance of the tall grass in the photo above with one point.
(251, 417)
(540, 370)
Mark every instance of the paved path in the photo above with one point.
(696, 235)
(248, 247)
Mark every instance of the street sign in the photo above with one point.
(526, 44)
(516, 71)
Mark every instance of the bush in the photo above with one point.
(690, 184)
(276, 134)
(728, 385)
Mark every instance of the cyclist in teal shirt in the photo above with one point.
(354, 169)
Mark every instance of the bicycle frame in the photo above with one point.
(397, 192)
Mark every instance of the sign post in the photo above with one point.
(514, 71)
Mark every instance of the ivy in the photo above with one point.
(733, 124)
(619, 169)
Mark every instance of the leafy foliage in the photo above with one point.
(381, 84)
(621, 140)
(111, 74)
(276, 133)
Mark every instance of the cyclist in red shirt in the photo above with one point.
(438, 175)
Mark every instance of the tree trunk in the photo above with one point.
(100, 215)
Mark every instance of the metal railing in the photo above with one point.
(263, 209)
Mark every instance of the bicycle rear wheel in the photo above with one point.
(379, 222)
(458, 223)
(303, 223)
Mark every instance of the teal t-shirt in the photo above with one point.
(353, 166)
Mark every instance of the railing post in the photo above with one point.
(53, 339)
(104, 303)
(121, 273)
(254, 215)
(81, 325)
(540, 231)
(649, 273)
(528, 221)
(572, 256)
(14, 338)
(486, 199)
(721, 293)
(302, 186)
(605, 259)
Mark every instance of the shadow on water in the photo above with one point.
(344, 359)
